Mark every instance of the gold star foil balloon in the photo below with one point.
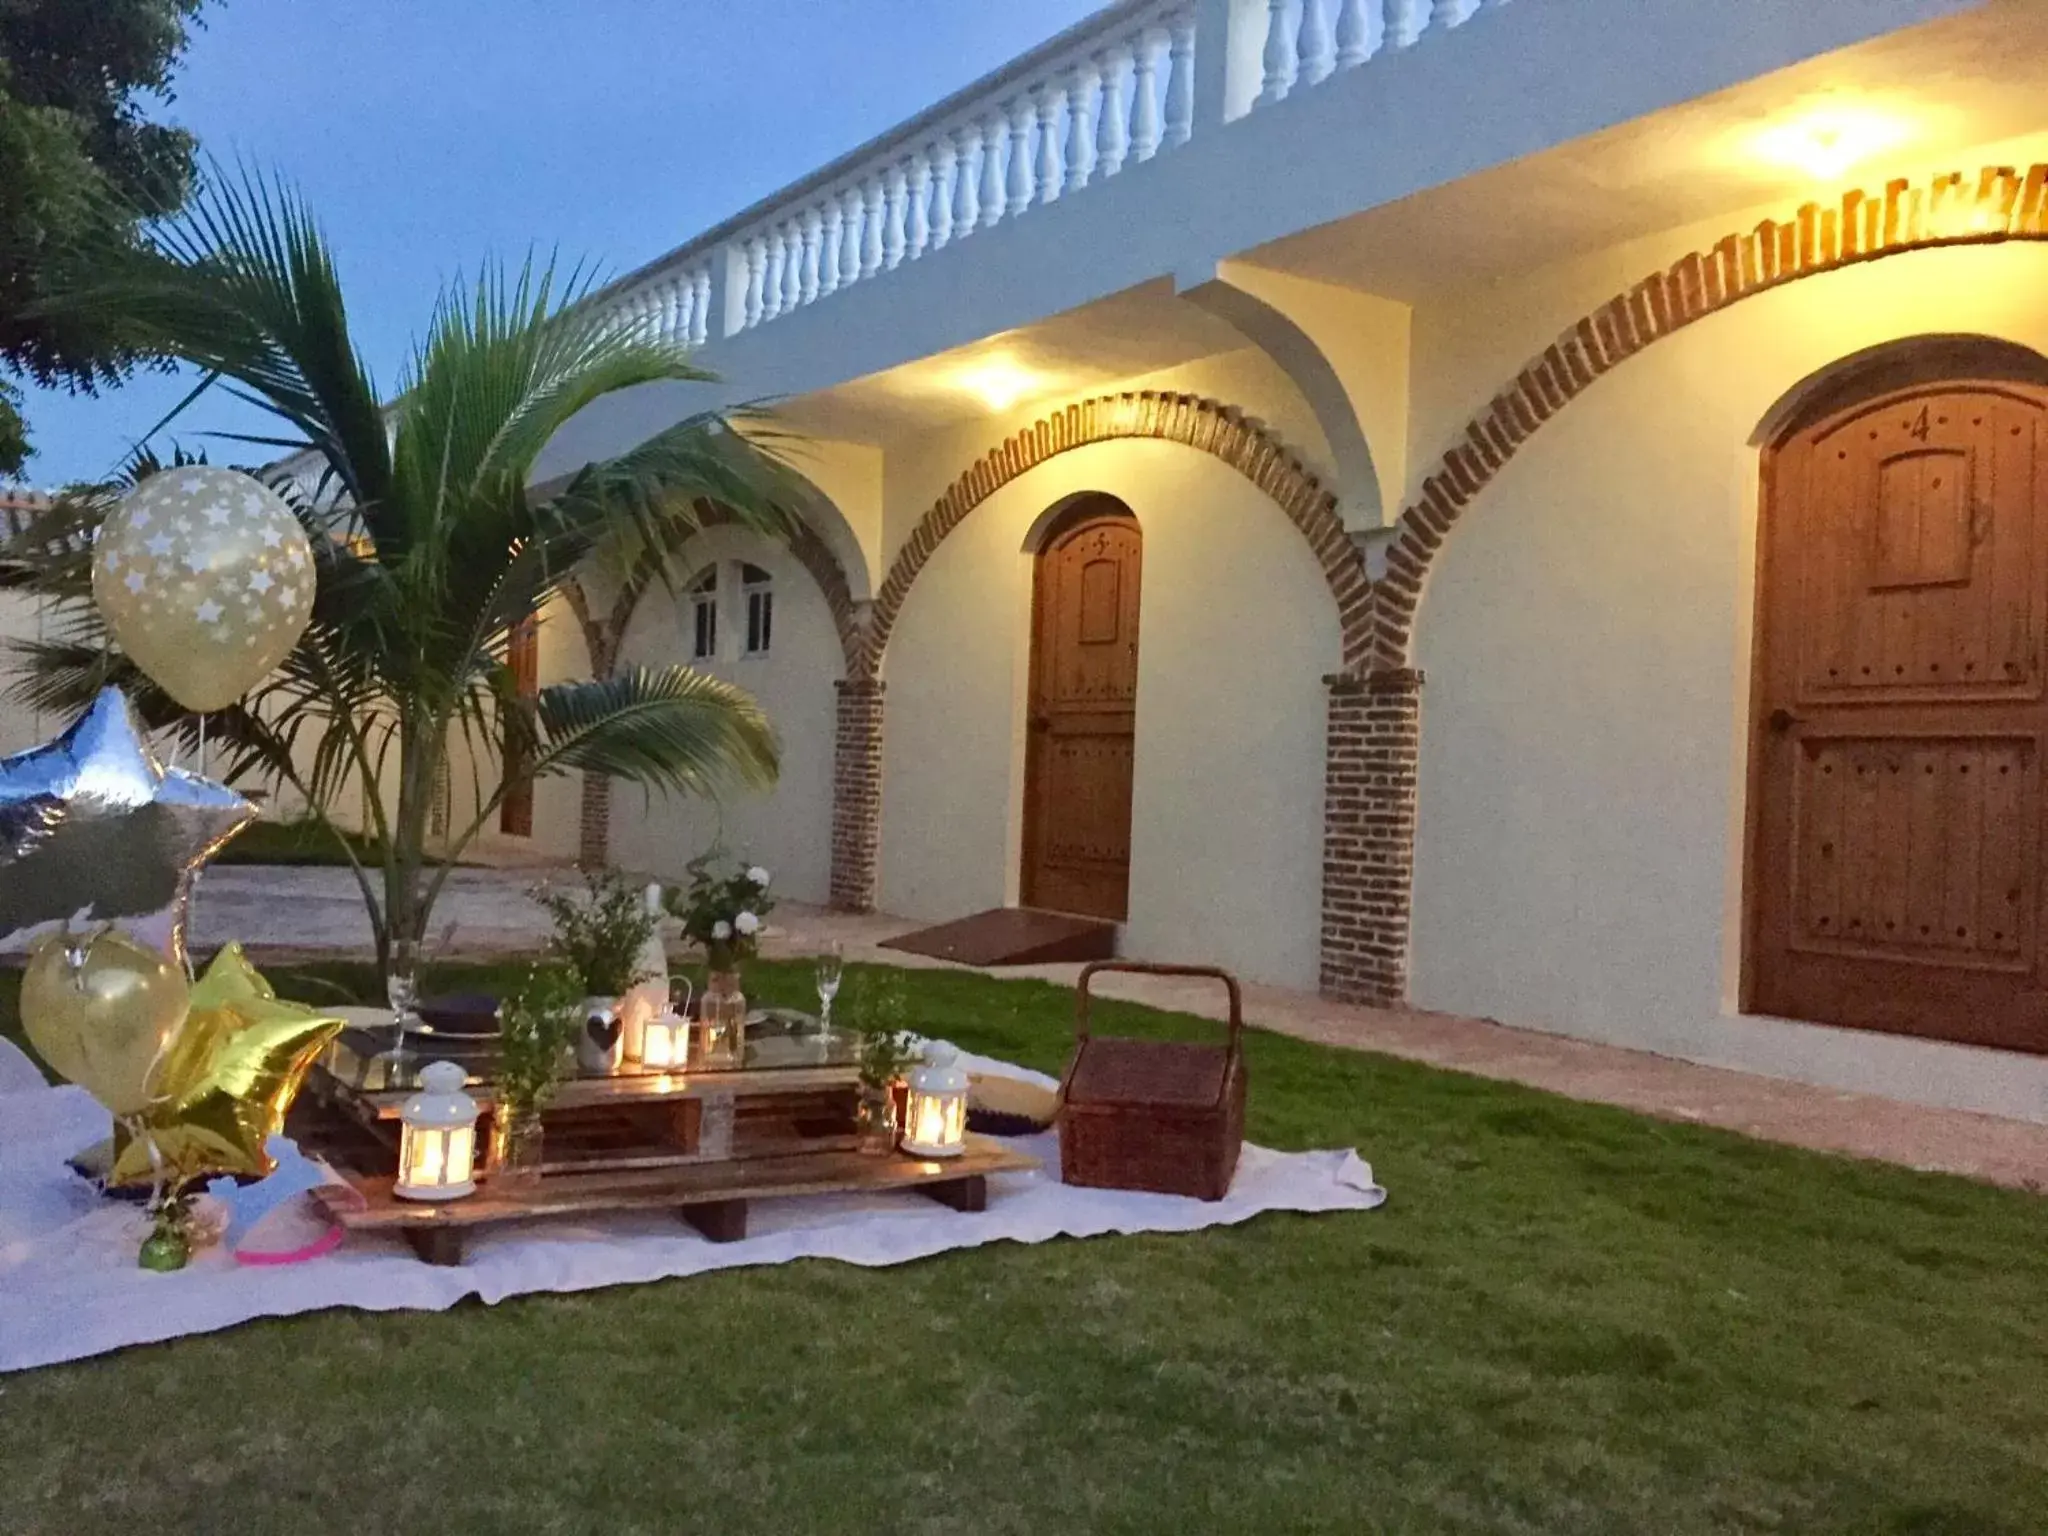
(93, 823)
(103, 1012)
(227, 1080)
(206, 580)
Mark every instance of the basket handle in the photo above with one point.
(1150, 968)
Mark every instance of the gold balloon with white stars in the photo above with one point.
(206, 580)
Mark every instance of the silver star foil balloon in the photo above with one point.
(92, 823)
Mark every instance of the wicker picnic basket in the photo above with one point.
(1157, 1115)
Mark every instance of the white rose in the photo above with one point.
(721, 929)
(757, 876)
(746, 922)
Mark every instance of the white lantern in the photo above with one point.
(437, 1147)
(935, 1119)
(665, 1042)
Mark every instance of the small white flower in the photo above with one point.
(746, 922)
(721, 929)
(757, 876)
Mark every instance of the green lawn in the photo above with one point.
(1567, 1319)
(295, 842)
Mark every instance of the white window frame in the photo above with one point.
(703, 596)
(757, 588)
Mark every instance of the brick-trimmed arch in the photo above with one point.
(1865, 226)
(1198, 423)
(1375, 741)
(604, 635)
(1356, 882)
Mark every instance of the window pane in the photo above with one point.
(760, 620)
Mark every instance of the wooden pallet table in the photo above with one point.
(776, 1118)
(712, 1197)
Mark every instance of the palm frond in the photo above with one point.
(242, 284)
(667, 728)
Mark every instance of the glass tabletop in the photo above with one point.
(776, 1039)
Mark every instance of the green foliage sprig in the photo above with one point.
(601, 932)
(877, 1007)
(536, 1029)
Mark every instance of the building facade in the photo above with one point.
(1531, 509)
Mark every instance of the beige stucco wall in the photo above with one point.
(789, 829)
(20, 728)
(1236, 628)
(1585, 640)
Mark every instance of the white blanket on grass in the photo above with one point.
(70, 1287)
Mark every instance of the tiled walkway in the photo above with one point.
(279, 911)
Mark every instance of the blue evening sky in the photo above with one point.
(430, 133)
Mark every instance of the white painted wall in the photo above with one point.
(1236, 629)
(790, 828)
(20, 728)
(1585, 640)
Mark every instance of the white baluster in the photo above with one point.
(1022, 182)
(685, 308)
(968, 213)
(945, 165)
(1145, 96)
(919, 231)
(1180, 81)
(1455, 13)
(896, 187)
(757, 269)
(771, 286)
(993, 129)
(1052, 110)
(1115, 140)
(830, 232)
(1278, 57)
(661, 296)
(1406, 20)
(700, 307)
(871, 228)
(1084, 98)
(793, 270)
(1358, 32)
(1317, 48)
(801, 285)
(855, 204)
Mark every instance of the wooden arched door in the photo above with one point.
(1894, 875)
(1083, 711)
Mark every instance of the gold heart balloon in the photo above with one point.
(206, 580)
(230, 1075)
(102, 1011)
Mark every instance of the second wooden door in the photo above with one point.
(1895, 875)
(1083, 703)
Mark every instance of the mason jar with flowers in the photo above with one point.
(723, 908)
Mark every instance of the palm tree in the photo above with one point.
(430, 542)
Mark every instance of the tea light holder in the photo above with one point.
(437, 1138)
(665, 1042)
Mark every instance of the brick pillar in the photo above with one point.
(1369, 776)
(594, 833)
(857, 794)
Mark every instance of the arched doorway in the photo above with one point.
(1893, 879)
(1082, 712)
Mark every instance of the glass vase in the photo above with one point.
(876, 1122)
(515, 1150)
(723, 1012)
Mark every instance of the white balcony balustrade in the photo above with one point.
(1110, 94)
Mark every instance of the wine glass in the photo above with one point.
(402, 992)
(831, 963)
